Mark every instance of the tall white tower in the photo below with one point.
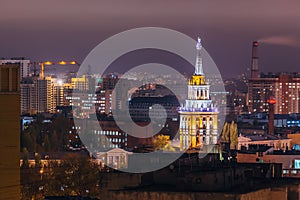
(198, 116)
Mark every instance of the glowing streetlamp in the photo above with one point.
(41, 173)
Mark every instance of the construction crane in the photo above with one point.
(42, 64)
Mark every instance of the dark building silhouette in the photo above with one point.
(10, 131)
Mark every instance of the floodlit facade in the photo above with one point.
(198, 117)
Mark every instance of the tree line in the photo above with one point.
(46, 137)
(73, 175)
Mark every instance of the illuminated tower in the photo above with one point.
(198, 117)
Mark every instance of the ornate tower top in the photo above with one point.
(198, 77)
(199, 45)
(198, 66)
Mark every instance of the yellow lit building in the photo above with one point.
(198, 117)
(80, 83)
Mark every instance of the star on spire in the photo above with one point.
(198, 66)
(199, 45)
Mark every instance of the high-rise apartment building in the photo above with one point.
(27, 95)
(104, 93)
(10, 131)
(285, 87)
(24, 65)
(41, 95)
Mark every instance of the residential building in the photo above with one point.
(10, 131)
(24, 65)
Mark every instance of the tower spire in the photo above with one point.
(198, 66)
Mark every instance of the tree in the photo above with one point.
(225, 132)
(37, 160)
(54, 141)
(233, 135)
(60, 126)
(47, 145)
(76, 175)
(30, 183)
(162, 142)
(27, 141)
(230, 134)
(25, 163)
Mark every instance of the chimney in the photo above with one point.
(254, 61)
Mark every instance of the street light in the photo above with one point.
(41, 173)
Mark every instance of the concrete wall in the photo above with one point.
(117, 181)
(286, 160)
(282, 193)
(147, 195)
(220, 180)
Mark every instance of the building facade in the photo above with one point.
(244, 141)
(42, 95)
(284, 87)
(10, 131)
(198, 117)
(24, 65)
(104, 91)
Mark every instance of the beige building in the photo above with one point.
(268, 140)
(116, 158)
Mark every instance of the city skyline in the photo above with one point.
(61, 30)
(150, 99)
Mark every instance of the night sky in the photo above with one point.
(69, 29)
